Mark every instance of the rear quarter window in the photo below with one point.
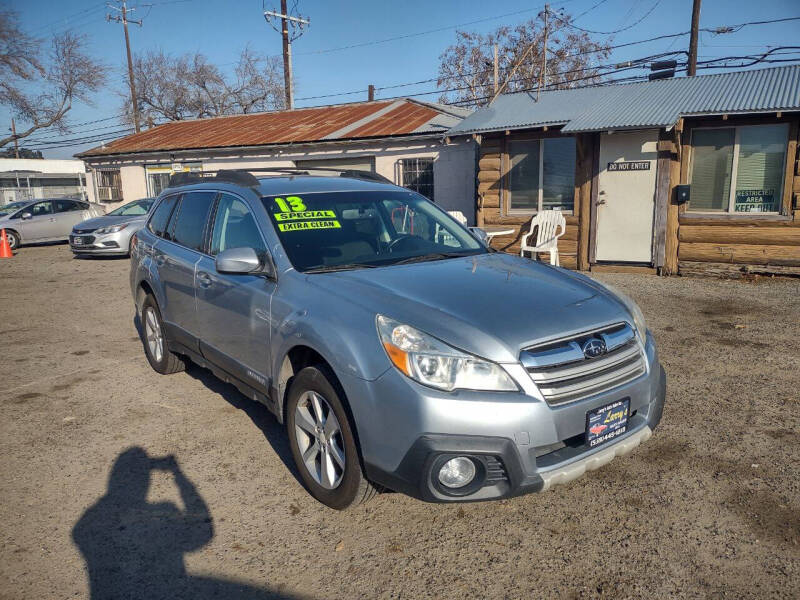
(189, 225)
(160, 218)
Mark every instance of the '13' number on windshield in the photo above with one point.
(291, 204)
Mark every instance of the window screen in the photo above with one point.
(558, 173)
(190, 222)
(541, 174)
(234, 227)
(160, 218)
(712, 165)
(760, 168)
(418, 175)
(523, 175)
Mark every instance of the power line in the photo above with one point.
(429, 31)
(84, 13)
(73, 132)
(569, 23)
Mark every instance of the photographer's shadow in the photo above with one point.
(134, 548)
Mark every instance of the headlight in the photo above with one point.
(633, 308)
(111, 229)
(432, 362)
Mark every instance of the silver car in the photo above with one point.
(110, 234)
(398, 350)
(46, 220)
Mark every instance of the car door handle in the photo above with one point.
(160, 259)
(204, 279)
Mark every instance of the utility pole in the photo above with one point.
(14, 134)
(543, 72)
(370, 92)
(123, 18)
(296, 23)
(496, 70)
(691, 68)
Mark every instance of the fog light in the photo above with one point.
(457, 472)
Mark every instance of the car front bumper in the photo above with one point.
(521, 444)
(105, 244)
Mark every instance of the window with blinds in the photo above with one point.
(738, 169)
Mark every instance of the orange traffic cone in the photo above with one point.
(5, 247)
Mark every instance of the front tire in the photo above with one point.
(156, 348)
(13, 239)
(322, 441)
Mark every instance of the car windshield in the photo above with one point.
(349, 230)
(138, 207)
(12, 206)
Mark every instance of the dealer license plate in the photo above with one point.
(78, 241)
(607, 422)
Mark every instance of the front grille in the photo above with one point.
(85, 240)
(563, 373)
(81, 231)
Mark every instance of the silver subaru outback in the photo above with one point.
(399, 351)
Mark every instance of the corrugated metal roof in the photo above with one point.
(636, 105)
(347, 121)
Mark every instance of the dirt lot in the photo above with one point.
(709, 507)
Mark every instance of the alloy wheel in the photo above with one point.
(153, 336)
(319, 438)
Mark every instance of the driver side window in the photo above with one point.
(40, 208)
(235, 227)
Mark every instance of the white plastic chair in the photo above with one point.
(546, 227)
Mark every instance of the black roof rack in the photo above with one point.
(245, 177)
(235, 176)
(354, 173)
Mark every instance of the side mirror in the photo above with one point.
(480, 234)
(27, 215)
(243, 261)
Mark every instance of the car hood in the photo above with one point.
(108, 220)
(491, 305)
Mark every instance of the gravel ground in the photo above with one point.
(709, 507)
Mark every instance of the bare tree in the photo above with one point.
(466, 68)
(189, 86)
(41, 91)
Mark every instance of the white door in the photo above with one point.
(626, 196)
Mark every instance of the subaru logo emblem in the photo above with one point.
(593, 348)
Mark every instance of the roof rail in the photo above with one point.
(354, 173)
(235, 176)
(245, 177)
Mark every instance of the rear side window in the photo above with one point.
(65, 206)
(158, 222)
(190, 221)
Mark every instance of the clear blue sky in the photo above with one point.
(221, 29)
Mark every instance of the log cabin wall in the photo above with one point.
(736, 244)
(492, 211)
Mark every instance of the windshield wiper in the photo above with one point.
(430, 256)
(344, 267)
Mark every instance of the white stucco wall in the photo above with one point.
(134, 184)
(454, 165)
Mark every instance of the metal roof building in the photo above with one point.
(401, 139)
(363, 120)
(641, 105)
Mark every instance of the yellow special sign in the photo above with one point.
(307, 214)
(304, 225)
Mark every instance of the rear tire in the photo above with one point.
(322, 441)
(156, 348)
